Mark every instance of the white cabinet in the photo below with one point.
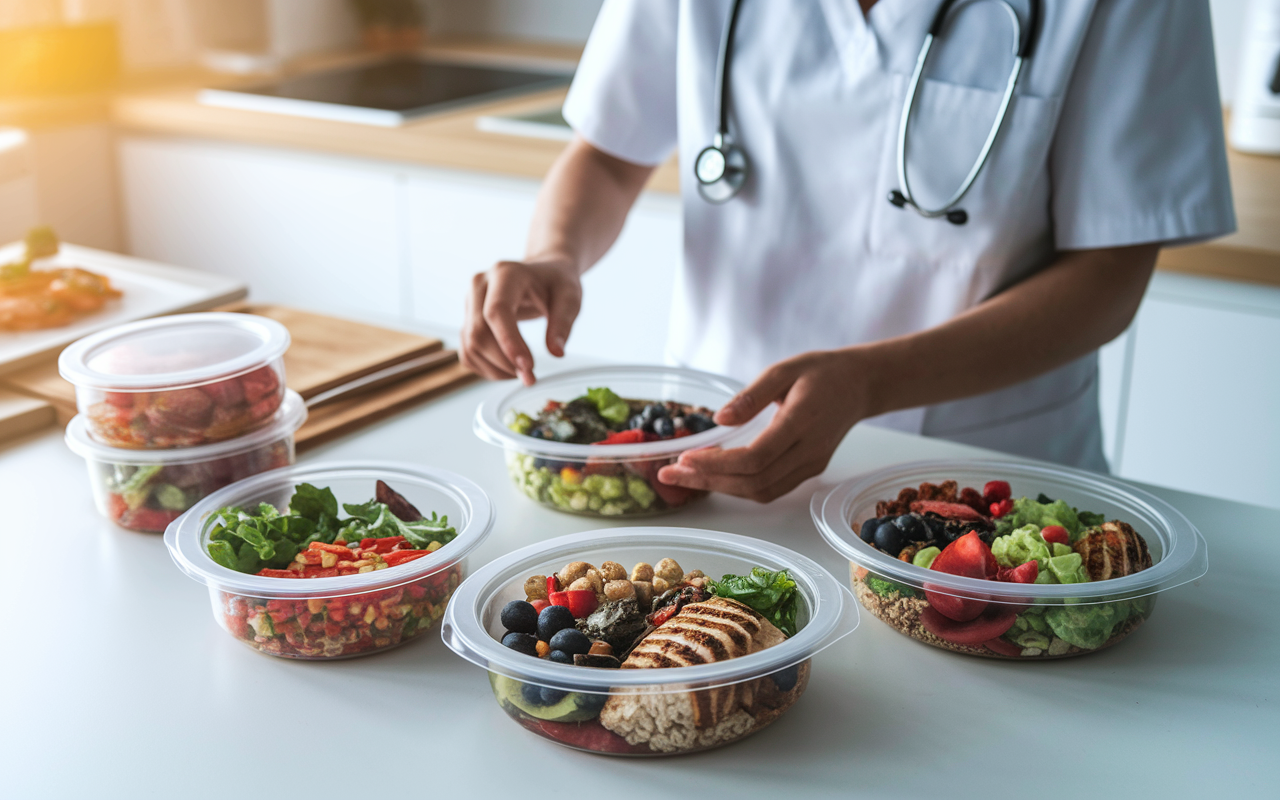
(311, 231)
(1201, 398)
(462, 223)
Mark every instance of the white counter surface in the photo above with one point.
(115, 680)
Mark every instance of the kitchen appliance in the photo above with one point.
(388, 93)
(1255, 117)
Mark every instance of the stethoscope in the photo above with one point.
(722, 167)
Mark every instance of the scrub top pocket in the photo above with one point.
(949, 124)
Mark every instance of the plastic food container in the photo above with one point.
(145, 490)
(689, 708)
(1027, 622)
(327, 618)
(178, 381)
(608, 480)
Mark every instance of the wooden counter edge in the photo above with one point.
(1243, 264)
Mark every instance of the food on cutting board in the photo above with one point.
(993, 536)
(188, 416)
(32, 298)
(605, 486)
(653, 617)
(310, 539)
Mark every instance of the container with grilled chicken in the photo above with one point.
(1017, 561)
(709, 641)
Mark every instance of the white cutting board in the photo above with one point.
(150, 289)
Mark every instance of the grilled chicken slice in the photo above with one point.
(1113, 550)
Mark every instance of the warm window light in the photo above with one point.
(58, 59)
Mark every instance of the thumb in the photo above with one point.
(561, 314)
(771, 385)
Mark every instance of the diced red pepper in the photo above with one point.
(582, 602)
(553, 585)
(341, 552)
(278, 573)
(539, 604)
(397, 557)
(558, 599)
(308, 557)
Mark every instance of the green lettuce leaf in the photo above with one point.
(1086, 626)
(611, 407)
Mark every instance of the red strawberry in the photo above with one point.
(1003, 647)
(990, 625)
(632, 436)
(538, 605)
(591, 735)
(1023, 573)
(1055, 534)
(1001, 508)
(225, 393)
(264, 407)
(967, 556)
(259, 383)
(948, 510)
(189, 409)
(995, 491)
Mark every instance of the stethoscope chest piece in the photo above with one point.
(721, 169)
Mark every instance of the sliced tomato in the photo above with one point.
(991, 624)
(581, 602)
(969, 557)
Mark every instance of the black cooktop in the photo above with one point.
(386, 93)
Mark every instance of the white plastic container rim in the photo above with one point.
(565, 386)
(185, 536)
(273, 341)
(832, 614)
(1184, 557)
(288, 419)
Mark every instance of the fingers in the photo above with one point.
(781, 435)
(479, 351)
(503, 298)
(771, 385)
(786, 473)
(566, 302)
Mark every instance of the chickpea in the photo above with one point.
(697, 573)
(619, 590)
(597, 581)
(644, 594)
(700, 582)
(669, 571)
(600, 649)
(572, 571)
(642, 572)
(613, 571)
(660, 585)
(536, 588)
(582, 584)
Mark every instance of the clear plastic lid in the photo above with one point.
(472, 629)
(1178, 551)
(631, 382)
(173, 352)
(428, 489)
(288, 419)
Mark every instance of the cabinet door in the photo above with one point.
(462, 223)
(1203, 411)
(316, 232)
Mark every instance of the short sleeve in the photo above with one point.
(1139, 155)
(623, 97)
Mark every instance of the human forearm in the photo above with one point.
(582, 206)
(1080, 302)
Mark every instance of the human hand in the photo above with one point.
(512, 291)
(820, 396)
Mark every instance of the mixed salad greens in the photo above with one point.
(773, 594)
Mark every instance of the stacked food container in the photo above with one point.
(174, 408)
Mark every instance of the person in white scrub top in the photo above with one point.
(822, 296)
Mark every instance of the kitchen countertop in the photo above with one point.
(118, 682)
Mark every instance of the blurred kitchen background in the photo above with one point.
(109, 132)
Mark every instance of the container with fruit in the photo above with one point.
(592, 441)
(145, 490)
(1040, 562)
(332, 561)
(652, 660)
(178, 381)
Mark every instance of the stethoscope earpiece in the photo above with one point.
(956, 216)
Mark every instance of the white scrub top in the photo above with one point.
(1114, 138)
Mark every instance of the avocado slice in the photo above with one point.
(573, 707)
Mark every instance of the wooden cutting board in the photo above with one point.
(20, 414)
(325, 352)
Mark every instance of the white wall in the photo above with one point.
(1228, 36)
(549, 20)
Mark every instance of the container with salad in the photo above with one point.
(591, 441)
(1008, 560)
(332, 561)
(648, 659)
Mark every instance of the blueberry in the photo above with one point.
(890, 539)
(664, 427)
(519, 617)
(552, 620)
(912, 527)
(868, 530)
(521, 643)
(532, 694)
(937, 527)
(785, 679)
(571, 641)
(560, 657)
(697, 423)
(552, 696)
(538, 433)
(637, 421)
(655, 411)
